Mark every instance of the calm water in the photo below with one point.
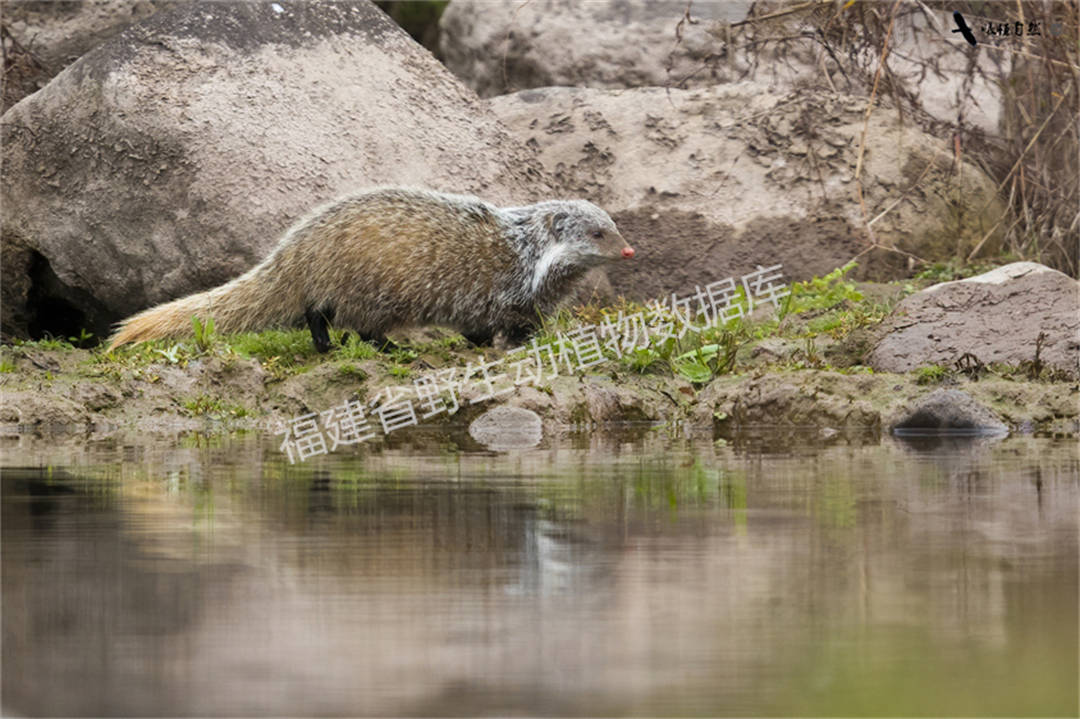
(598, 575)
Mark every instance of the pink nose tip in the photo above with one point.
(628, 252)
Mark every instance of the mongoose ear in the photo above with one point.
(555, 223)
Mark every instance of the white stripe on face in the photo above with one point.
(551, 256)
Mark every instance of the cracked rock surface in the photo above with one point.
(995, 317)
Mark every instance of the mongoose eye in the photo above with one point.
(599, 235)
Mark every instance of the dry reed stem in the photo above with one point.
(866, 124)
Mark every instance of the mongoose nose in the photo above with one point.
(628, 252)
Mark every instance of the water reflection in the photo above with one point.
(599, 575)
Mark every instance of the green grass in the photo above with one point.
(931, 374)
(822, 293)
(210, 406)
(953, 270)
(353, 349)
(48, 343)
(290, 346)
(351, 371)
(828, 306)
(403, 355)
(281, 353)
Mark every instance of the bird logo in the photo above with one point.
(962, 28)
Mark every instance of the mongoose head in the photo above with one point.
(580, 237)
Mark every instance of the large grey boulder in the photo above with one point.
(996, 316)
(503, 46)
(707, 184)
(170, 158)
(46, 37)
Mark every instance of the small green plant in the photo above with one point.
(273, 367)
(808, 355)
(288, 346)
(6, 364)
(693, 366)
(354, 348)
(204, 333)
(931, 374)
(403, 355)
(821, 293)
(954, 270)
(83, 340)
(399, 371)
(647, 359)
(206, 405)
(706, 361)
(453, 342)
(172, 355)
(49, 343)
(347, 369)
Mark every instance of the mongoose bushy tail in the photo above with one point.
(250, 302)
(393, 256)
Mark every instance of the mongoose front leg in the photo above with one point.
(319, 334)
(516, 336)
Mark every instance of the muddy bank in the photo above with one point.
(72, 391)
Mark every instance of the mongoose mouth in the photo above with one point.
(627, 252)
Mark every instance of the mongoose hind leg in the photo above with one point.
(318, 321)
(320, 335)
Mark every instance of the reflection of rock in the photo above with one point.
(503, 428)
(948, 410)
(947, 443)
(996, 317)
(223, 570)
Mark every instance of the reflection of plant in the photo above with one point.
(835, 505)
(651, 485)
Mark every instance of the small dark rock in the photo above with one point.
(504, 428)
(948, 411)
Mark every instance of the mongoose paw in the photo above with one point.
(320, 335)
